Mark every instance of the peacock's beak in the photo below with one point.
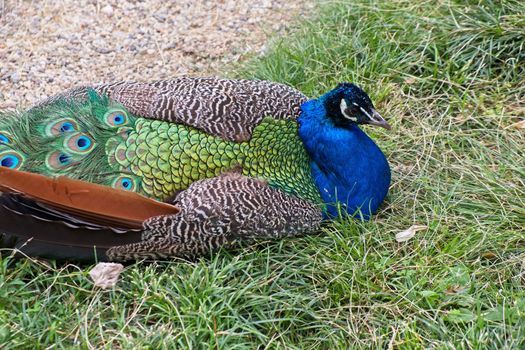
(378, 120)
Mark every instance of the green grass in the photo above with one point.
(450, 78)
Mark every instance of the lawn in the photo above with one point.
(450, 78)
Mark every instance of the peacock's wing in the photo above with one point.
(59, 220)
(65, 218)
(220, 212)
(227, 108)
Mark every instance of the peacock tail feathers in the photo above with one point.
(67, 138)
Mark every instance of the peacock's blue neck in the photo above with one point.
(347, 166)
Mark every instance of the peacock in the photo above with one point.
(177, 168)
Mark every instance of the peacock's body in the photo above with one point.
(99, 141)
(242, 159)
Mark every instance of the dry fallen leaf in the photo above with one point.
(455, 289)
(489, 255)
(407, 234)
(105, 275)
(519, 125)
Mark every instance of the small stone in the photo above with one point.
(107, 10)
(161, 17)
(103, 50)
(15, 77)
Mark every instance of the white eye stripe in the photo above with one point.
(343, 104)
(343, 107)
(366, 113)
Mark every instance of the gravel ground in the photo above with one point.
(49, 46)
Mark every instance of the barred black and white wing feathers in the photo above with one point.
(230, 109)
(221, 212)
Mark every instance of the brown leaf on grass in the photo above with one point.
(489, 255)
(518, 125)
(455, 289)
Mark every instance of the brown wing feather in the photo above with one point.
(26, 226)
(93, 203)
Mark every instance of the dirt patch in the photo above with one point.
(49, 46)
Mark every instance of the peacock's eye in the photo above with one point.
(116, 118)
(125, 183)
(58, 160)
(119, 119)
(79, 143)
(83, 142)
(67, 127)
(11, 160)
(4, 139)
(64, 159)
(62, 126)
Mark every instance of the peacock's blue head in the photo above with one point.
(348, 104)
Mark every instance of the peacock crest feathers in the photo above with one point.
(69, 137)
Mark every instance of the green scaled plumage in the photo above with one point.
(100, 141)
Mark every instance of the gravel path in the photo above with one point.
(49, 46)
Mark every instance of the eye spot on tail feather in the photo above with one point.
(79, 143)
(125, 183)
(116, 118)
(5, 138)
(58, 160)
(11, 160)
(61, 126)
